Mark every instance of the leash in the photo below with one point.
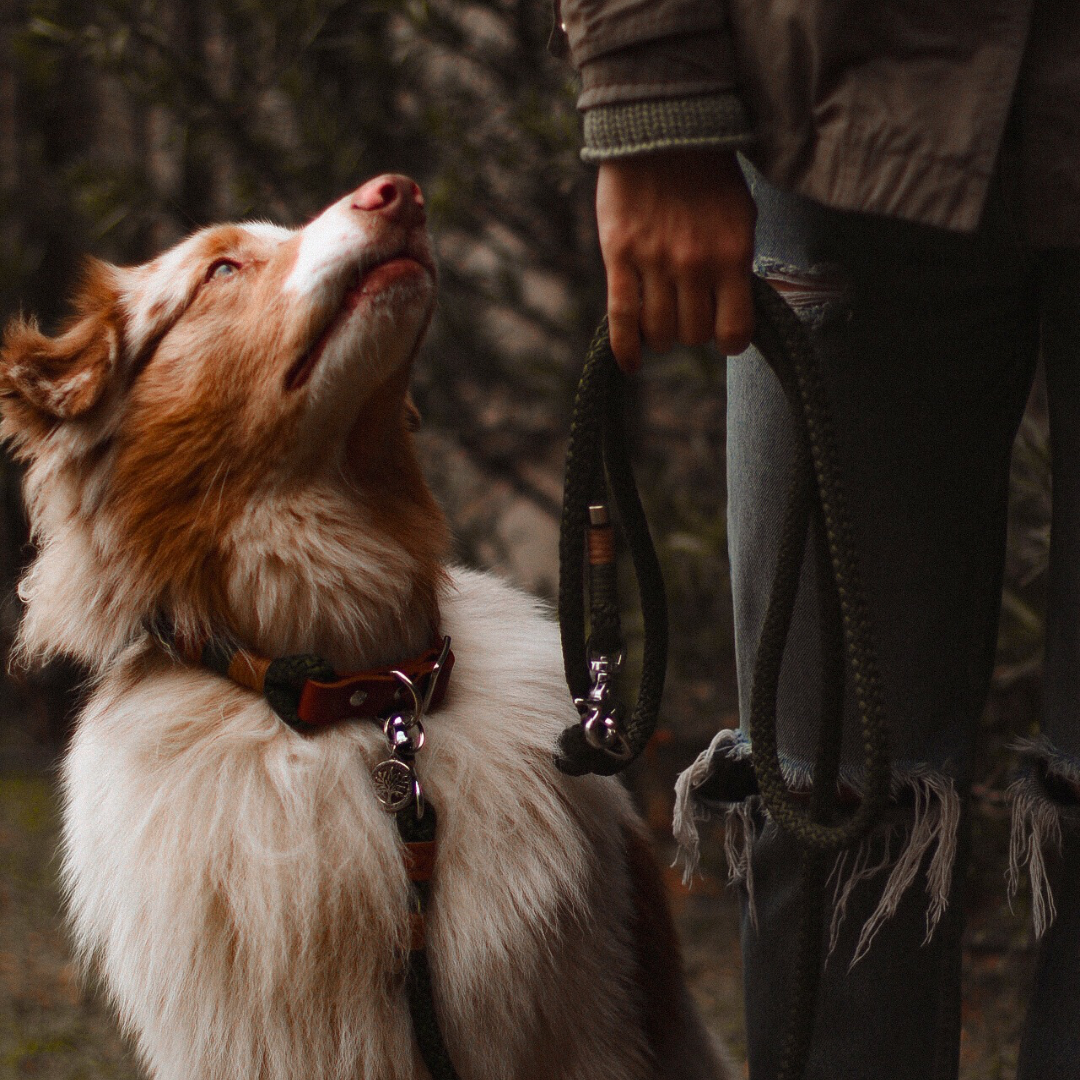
(308, 695)
(598, 472)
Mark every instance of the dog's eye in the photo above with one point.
(222, 268)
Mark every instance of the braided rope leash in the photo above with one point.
(598, 465)
(598, 468)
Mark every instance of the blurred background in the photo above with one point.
(125, 124)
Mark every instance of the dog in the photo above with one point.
(219, 442)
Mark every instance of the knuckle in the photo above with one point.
(616, 249)
(690, 260)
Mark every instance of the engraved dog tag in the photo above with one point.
(395, 784)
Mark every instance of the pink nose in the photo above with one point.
(398, 197)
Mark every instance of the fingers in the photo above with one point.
(659, 310)
(734, 324)
(696, 299)
(734, 312)
(697, 308)
(624, 314)
(676, 233)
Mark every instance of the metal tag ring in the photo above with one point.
(404, 733)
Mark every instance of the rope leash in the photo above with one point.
(597, 468)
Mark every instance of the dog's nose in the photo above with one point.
(397, 197)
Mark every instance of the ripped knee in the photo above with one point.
(815, 294)
(917, 841)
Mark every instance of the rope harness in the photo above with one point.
(597, 466)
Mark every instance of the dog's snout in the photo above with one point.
(397, 197)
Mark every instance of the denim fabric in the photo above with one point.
(1050, 1047)
(1061, 355)
(930, 340)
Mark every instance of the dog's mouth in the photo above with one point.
(366, 281)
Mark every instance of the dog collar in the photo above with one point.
(307, 693)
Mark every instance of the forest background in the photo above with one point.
(125, 124)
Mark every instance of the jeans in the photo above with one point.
(930, 341)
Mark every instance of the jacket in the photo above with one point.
(896, 107)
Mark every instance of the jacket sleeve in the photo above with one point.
(655, 75)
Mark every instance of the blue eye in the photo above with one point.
(222, 268)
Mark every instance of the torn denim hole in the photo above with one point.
(1045, 799)
(921, 828)
(816, 294)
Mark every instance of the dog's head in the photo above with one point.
(230, 417)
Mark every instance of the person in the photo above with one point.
(907, 173)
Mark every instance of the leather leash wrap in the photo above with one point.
(598, 463)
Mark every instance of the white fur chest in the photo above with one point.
(245, 895)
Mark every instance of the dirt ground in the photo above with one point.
(53, 1027)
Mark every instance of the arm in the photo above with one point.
(662, 120)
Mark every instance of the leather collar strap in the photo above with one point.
(306, 692)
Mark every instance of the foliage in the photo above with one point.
(132, 122)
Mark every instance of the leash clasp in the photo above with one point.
(396, 784)
(601, 721)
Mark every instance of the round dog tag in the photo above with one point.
(395, 784)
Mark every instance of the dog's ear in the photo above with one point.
(59, 378)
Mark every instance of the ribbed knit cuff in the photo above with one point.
(641, 127)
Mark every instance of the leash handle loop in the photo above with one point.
(599, 474)
(597, 464)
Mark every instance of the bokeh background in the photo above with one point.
(125, 124)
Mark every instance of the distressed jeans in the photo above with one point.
(930, 342)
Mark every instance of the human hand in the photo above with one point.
(677, 236)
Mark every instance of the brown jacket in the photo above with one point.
(886, 106)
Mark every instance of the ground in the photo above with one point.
(54, 1027)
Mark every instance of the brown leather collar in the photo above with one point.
(306, 692)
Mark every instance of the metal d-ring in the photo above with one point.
(404, 734)
(421, 705)
(418, 705)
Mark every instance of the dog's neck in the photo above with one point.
(347, 564)
(338, 572)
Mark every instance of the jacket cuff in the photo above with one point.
(642, 127)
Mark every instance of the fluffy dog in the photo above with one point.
(220, 441)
